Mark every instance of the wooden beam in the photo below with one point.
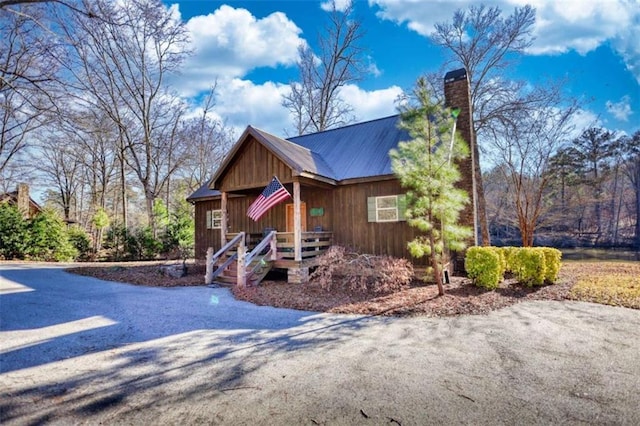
(223, 221)
(297, 222)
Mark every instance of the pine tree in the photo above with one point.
(426, 167)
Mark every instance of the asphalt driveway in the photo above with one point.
(79, 350)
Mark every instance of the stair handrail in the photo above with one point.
(261, 246)
(211, 260)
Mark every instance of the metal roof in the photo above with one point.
(355, 151)
(358, 150)
(298, 157)
(203, 192)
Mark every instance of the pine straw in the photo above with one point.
(461, 297)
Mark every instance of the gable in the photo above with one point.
(252, 166)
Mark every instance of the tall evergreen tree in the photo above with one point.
(426, 167)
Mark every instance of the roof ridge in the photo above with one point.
(342, 127)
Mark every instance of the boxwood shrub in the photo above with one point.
(529, 266)
(509, 254)
(552, 258)
(484, 266)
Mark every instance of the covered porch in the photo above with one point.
(246, 256)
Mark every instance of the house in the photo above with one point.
(21, 198)
(343, 192)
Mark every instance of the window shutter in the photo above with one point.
(208, 219)
(402, 207)
(371, 209)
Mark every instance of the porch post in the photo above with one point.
(223, 220)
(297, 224)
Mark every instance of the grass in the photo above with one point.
(608, 283)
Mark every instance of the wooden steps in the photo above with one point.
(228, 277)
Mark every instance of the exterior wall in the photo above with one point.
(254, 167)
(352, 229)
(205, 238)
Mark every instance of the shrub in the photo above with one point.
(484, 266)
(552, 262)
(362, 273)
(529, 266)
(80, 241)
(49, 240)
(116, 242)
(509, 254)
(502, 260)
(13, 232)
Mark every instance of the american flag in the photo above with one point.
(271, 195)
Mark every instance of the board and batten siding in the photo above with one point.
(352, 228)
(204, 237)
(254, 166)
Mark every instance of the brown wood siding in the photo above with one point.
(345, 214)
(205, 238)
(253, 167)
(351, 228)
(317, 198)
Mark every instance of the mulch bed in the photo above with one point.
(142, 273)
(461, 296)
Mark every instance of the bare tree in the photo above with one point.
(315, 101)
(484, 43)
(27, 75)
(631, 149)
(525, 145)
(209, 140)
(121, 64)
(61, 169)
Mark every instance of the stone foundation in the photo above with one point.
(298, 275)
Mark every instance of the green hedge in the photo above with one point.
(552, 259)
(484, 266)
(529, 266)
(509, 254)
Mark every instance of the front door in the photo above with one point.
(303, 217)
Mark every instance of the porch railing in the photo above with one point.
(252, 252)
(313, 244)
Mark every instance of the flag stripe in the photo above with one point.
(271, 195)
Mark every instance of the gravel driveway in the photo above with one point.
(79, 350)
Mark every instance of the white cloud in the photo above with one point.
(620, 110)
(229, 43)
(242, 103)
(583, 119)
(341, 5)
(561, 26)
(369, 105)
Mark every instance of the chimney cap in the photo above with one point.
(456, 75)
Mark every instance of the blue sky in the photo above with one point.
(250, 47)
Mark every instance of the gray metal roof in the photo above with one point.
(355, 151)
(203, 192)
(358, 150)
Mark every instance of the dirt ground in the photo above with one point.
(461, 296)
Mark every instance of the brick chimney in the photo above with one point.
(457, 94)
(23, 199)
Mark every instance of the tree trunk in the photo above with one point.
(437, 273)
(481, 201)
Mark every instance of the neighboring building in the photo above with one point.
(341, 183)
(21, 198)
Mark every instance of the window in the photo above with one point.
(389, 208)
(214, 219)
